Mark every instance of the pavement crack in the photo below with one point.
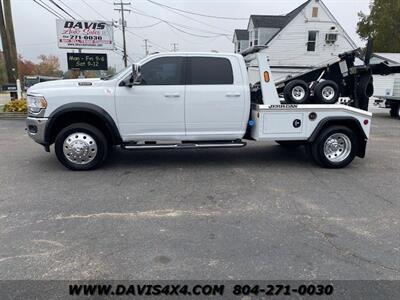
(59, 247)
(167, 213)
(345, 253)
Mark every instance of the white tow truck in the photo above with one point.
(186, 101)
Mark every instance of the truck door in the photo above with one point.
(214, 99)
(154, 110)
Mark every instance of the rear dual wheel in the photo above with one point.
(335, 148)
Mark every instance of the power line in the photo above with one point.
(56, 14)
(193, 34)
(137, 35)
(173, 24)
(70, 8)
(95, 10)
(196, 14)
(187, 17)
(49, 9)
(150, 41)
(146, 26)
(137, 11)
(62, 9)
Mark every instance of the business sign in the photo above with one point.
(77, 34)
(9, 87)
(87, 62)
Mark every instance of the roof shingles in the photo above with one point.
(280, 22)
(242, 34)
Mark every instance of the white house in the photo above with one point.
(296, 42)
(241, 40)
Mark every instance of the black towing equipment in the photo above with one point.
(325, 84)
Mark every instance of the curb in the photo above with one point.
(12, 116)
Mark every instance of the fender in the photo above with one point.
(343, 121)
(83, 107)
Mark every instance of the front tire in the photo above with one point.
(335, 148)
(81, 147)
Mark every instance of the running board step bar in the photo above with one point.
(184, 146)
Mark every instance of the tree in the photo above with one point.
(382, 25)
(49, 65)
(111, 71)
(26, 67)
(73, 74)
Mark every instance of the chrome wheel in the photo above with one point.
(337, 147)
(328, 93)
(298, 93)
(80, 148)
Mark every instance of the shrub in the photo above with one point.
(16, 106)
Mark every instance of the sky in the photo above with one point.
(35, 28)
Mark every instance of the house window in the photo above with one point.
(315, 12)
(255, 37)
(238, 47)
(312, 41)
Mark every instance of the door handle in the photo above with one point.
(172, 95)
(233, 95)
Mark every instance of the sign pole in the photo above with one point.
(19, 89)
(81, 75)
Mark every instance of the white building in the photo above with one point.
(241, 40)
(299, 41)
(386, 86)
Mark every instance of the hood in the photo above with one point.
(66, 83)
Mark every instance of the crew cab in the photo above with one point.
(186, 101)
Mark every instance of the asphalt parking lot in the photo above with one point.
(261, 212)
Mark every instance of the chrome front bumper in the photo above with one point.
(36, 129)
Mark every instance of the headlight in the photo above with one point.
(36, 103)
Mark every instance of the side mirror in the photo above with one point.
(138, 80)
(136, 75)
(128, 82)
(134, 79)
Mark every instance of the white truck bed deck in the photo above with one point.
(296, 122)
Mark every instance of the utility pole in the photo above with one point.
(147, 47)
(174, 47)
(8, 41)
(122, 10)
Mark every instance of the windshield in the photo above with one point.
(111, 77)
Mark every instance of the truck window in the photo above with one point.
(163, 71)
(209, 70)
